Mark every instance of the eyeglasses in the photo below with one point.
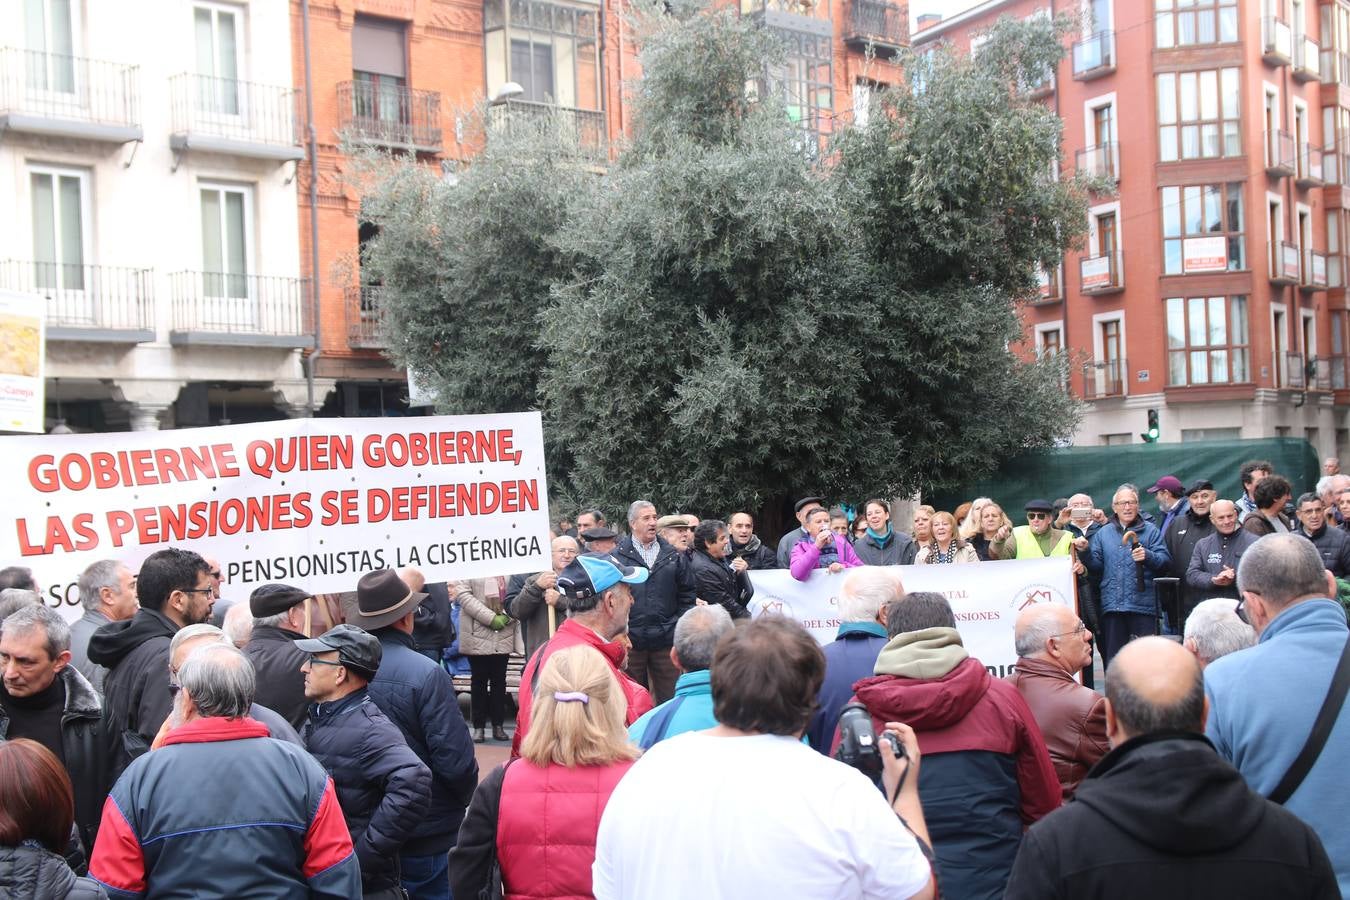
(1241, 610)
(315, 661)
(199, 590)
(1033, 516)
(1079, 630)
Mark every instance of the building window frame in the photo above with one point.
(1101, 361)
(1208, 340)
(1199, 114)
(60, 273)
(1189, 216)
(225, 281)
(1204, 22)
(571, 34)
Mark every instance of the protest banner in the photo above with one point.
(986, 598)
(311, 502)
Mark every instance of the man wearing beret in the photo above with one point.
(1036, 539)
(279, 613)
(1187, 529)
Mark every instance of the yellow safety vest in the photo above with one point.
(1029, 548)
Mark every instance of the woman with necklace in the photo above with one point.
(945, 546)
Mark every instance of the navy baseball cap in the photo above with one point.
(594, 573)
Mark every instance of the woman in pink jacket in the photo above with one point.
(822, 550)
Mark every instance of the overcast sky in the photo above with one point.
(946, 7)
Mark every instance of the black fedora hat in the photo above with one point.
(382, 598)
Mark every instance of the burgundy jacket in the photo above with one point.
(1072, 718)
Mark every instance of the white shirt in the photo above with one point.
(703, 817)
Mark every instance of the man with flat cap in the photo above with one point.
(802, 508)
(418, 696)
(599, 600)
(599, 539)
(381, 785)
(676, 531)
(1035, 540)
(1188, 528)
(279, 614)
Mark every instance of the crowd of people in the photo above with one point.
(176, 741)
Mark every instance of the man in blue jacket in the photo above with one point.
(1127, 611)
(1264, 700)
(419, 697)
(863, 600)
(691, 709)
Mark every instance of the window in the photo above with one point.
(379, 70)
(1203, 227)
(1110, 377)
(1198, 114)
(863, 92)
(1049, 341)
(217, 33)
(226, 225)
(1181, 23)
(549, 49)
(804, 81)
(1208, 341)
(1210, 434)
(60, 200)
(49, 31)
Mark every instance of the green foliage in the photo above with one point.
(722, 319)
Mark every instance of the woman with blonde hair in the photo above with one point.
(945, 545)
(970, 522)
(530, 829)
(923, 517)
(994, 526)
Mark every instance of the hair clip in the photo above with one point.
(571, 697)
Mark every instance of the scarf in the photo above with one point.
(937, 556)
(882, 538)
(926, 654)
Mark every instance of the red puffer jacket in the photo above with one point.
(546, 827)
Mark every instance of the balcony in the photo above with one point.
(94, 304)
(882, 26)
(1284, 262)
(1101, 162)
(1335, 68)
(1308, 173)
(1277, 41)
(1307, 61)
(1104, 379)
(804, 16)
(1313, 276)
(1040, 88)
(1280, 160)
(68, 97)
(1101, 274)
(582, 128)
(1295, 374)
(1094, 56)
(1323, 372)
(1334, 269)
(225, 310)
(221, 115)
(1049, 287)
(1336, 374)
(363, 317)
(389, 117)
(1334, 169)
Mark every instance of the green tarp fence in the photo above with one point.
(1098, 471)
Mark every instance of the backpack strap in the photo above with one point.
(659, 723)
(1321, 730)
(537, 661)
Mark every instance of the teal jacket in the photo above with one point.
(695, 712)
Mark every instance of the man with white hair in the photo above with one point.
(863, 600)
(238, 625)
(1053, 645)
(1329, 488)
(180, 648)
(1214, 630)
(691, 709)
(108, 594)
(265, 823)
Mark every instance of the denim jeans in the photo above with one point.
(426, 877)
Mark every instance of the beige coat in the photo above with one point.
(966, 554)
(479, 603)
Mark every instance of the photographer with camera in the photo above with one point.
(773, 817)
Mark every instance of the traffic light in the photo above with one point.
(1151, 435)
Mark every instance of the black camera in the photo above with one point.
(858, 745)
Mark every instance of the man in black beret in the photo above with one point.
(1188, 528)
(600, 539)
(279, 620)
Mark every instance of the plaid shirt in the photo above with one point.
(649, 552)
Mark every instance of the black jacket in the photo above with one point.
(659, 602)
(433, 629)
(382, 787)
(85, 752)
(1162, 816)
(1212, 554)
(136, 698)
(276, 662)
(716, 582)
(418, 696)
(1333, 545)
(755, 554)
(1185, 531)
(32, 873)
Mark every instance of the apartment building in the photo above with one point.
(1212, 284)
(149, 158)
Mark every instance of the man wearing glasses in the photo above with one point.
(1126, 553)
(1053, 645)
(174, 590)
(1036, 539)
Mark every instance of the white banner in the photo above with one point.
(23, 353)
(311, 502)
(986, 599)
(1204, 254)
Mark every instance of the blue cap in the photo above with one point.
(594, 573)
